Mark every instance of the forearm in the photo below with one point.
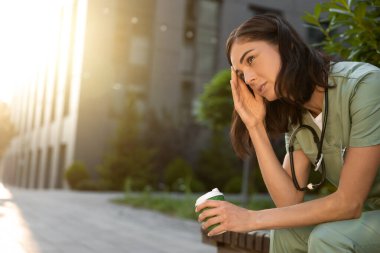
(331, 208)
(278, 182)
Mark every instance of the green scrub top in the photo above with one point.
(353, 121)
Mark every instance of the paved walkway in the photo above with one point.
(36, 221)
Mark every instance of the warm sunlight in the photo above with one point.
(31, 39)
(11, 233)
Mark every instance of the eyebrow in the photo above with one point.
(246, 52)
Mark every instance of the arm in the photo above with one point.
(251, 110)
(278, 178)
(357, 176)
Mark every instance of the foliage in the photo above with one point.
(183, 206)
(233, 185)
(179, 176)
(177, 173)
(129, 158)
(171, 140)
(7, 130)
(93, 185)
(215, 104)
(351, 28)
(217, 162)
(76, 173)
(178, 207)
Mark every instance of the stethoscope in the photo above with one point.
(319, 162)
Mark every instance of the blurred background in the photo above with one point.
(100, 94)
(130, 101)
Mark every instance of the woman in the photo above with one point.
(278, 84)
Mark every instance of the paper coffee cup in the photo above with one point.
(215, 194)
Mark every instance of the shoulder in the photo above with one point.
(352, 70)
(347, 77)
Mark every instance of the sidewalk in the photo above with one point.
(37, 221)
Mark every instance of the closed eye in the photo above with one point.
(241, 76)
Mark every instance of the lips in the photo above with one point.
(261, 88)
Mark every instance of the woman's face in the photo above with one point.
(257, 63)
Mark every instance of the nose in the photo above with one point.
(249, 77)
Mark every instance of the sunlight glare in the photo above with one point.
(28, 33)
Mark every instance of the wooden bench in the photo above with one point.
(232, 242)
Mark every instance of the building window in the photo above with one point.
(187, 93)
(61, 166)
(207, 36)
(38, 164)
(28, 169)
(190, 21)
(49, 158)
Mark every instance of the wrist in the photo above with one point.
(253, 221)
(258, 128)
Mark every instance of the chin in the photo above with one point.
(271, 98)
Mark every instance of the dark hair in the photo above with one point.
(302, 69)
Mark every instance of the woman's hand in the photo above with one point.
(251, 108)
(230, 217)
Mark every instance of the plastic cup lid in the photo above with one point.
(210, 194)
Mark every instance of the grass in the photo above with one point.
(182, 207)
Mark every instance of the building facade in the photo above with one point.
(99, 51)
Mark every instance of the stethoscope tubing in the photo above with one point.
(319, 162)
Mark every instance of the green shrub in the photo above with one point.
(351, 28)
(197, 186)
(177, 174)
(233, 185)
(76, 174)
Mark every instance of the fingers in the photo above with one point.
(235, 88)
(212, 215)
(240, 90)
(218, 229)
(208, 203)
(207, 213)
(235, 81)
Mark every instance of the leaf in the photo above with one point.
(334, 10)
(320, 44)
(313, 27)
(349, 4)
(360, 11)
(344, 3)
(317, 10)
(309, 18)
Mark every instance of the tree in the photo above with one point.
(215, 104)
(129, 158)
(351, 29)
(76, 173)
(171, 139)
